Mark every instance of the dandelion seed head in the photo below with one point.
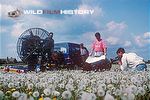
(101, 92)
(47, 91)
(16, 94)
(46, 98)
(36, 94)
(108, 97)
(11, 85)
(30, 86)
(66, 95)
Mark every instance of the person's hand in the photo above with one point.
(119, 62)
(90, 54)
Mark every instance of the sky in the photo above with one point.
(122, 23)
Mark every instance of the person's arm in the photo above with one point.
(104, 48)
(93, 46)
(123, 63)
(90, 54)
(105, 51)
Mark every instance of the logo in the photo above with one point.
(14, 14)
(18, 12)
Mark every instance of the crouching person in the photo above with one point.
(130, 61)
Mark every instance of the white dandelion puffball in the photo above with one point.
(36, 94)
(66, 95)
(23, 96)
(118, 92)
(11, 85)
(69, 87)
(93, 96)
(141, 91)
(16, 94)
(149, 86)
(88, 96)
(108, 97)
(30, 86)
(70, 81)
(1, 94)
(110, 86)
(133, 89)
(84, 96)
(31, 98)
(61, 85)
(55, 93)
(131, 96)
(127, 96)
(145, 87)
(47, 98)
(103, 86)
(47, 91)
(101, 92)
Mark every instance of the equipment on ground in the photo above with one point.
(33, 44)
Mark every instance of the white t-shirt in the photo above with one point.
(83, 51)
(130, 60)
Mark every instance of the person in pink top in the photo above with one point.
(98, 47)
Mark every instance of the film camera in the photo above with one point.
(115, 59)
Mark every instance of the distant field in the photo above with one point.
(114, 66)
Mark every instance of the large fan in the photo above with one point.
(34, 43)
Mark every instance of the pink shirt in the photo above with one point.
(98, 46)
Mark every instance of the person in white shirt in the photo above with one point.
(83, 52)
(130, 61)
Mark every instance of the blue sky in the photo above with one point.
(122, 23)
